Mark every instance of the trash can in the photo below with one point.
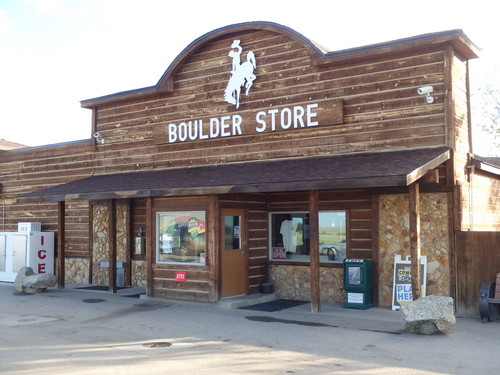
(358, 283)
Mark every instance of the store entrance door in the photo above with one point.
(234, 252)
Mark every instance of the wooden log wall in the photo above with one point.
(481, 202)
(459, 133)
(381, 108)
(27, 170)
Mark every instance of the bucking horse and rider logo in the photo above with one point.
(241, 74)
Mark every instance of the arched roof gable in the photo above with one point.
(165, 83)
(318, 54)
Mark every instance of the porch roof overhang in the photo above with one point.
(486, 164)
(363, 170)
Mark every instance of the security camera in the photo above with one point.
(425, 90)
(97, 135)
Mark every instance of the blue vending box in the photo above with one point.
(358, 283)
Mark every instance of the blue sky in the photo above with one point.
(54, 53)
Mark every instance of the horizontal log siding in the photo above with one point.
(484, 198)
(381, 108)
(32, 169)
(197, 286)
(460, 136)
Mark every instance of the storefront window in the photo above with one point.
(181, 237)
(332, 235)
(290, 236)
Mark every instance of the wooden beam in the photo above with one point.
(91, 242)
(130, 237)
(375, 207)
(112, 246)
(425, 168)
(453, 258)
(150, 245)
(61, 219)
(414, 209)
(314, 252)
(213, 247)
(431, 177)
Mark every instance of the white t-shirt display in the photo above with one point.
(288, 231)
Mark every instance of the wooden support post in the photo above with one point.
(314, 251)
(150, 245)
(129, 243)
(213, 247)
(61, 232)
(112, 246)
(414, 208)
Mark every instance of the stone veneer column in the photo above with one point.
(100, 246)
(100, 243)
(394, 238)
(122, 229)
(77, 270)
(139, 273)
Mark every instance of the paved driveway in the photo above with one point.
(73, 331)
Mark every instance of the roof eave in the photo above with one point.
(486, 167)
(432, 164)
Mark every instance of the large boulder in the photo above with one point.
(21, 275)
(28, 281)
(429, 315)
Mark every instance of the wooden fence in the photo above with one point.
(478, 259)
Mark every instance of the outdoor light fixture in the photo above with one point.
(426, 90)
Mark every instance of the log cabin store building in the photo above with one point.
(260, 158)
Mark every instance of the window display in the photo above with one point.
(181, 237)
(290, 236)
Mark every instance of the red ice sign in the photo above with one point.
(180, 276)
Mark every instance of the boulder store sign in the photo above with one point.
(279, 118)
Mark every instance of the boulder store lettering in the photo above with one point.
(288, 117)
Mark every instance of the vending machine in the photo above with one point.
(26, 247)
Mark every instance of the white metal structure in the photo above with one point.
(19, 249)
